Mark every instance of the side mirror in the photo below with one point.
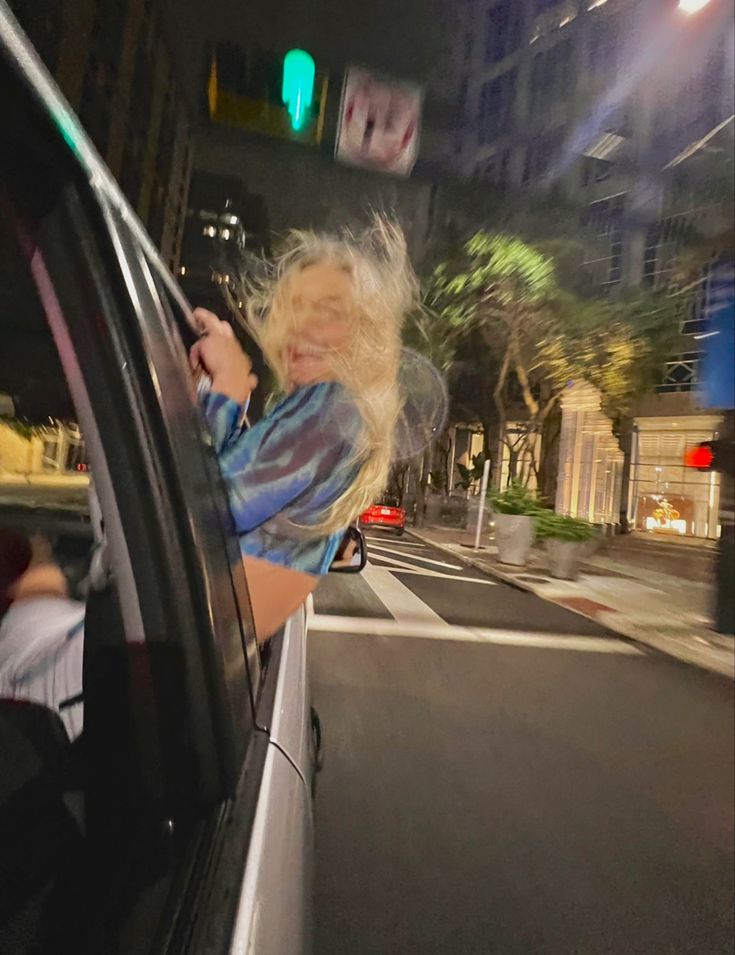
(351, 554)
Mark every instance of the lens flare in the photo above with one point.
(692, 6)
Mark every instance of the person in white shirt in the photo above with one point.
(41, 632)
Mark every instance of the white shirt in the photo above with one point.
(41, 647)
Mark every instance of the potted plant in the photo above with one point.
(567, 541)
(515, 531)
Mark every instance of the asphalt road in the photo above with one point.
(503, 776)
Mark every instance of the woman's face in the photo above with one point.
(323, 307)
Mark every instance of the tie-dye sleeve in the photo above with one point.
(306, 444)
(223, 417)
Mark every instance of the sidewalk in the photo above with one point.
(653, 595)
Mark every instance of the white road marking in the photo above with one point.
(399, 601)
(426, 560)
(403, 543)
(427, 572)
(374, 627)
(402, 564)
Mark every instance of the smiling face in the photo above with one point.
(323, 311)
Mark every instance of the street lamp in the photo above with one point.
(692, 6)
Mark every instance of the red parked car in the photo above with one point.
(386, 513)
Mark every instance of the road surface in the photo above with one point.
(504, 776)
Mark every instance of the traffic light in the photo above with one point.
(298, 85)
(263, 92)
(715, 455)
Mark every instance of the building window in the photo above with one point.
(663, 242)
(604, 250)
(503, 34)
(496, 101)
(695, 319)
(551, 78)
(542, 154)
(604, 48)
(595, 170)
(698, 106)
(680, 373)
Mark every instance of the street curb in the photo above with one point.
(708, 658)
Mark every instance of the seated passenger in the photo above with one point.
(328, 321)
(41, 632)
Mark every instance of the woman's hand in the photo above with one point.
(219, 353)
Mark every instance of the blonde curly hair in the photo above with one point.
(385, 291)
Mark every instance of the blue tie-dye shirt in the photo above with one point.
(286, 470)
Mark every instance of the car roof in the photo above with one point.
(16, 48)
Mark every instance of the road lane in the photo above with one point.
(481, 797)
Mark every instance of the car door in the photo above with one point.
(197, 752)
(275, 897)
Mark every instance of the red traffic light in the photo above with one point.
(702, 456)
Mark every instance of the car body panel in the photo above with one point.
(288, 720)
(274, 913)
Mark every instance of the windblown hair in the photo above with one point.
(385, 290)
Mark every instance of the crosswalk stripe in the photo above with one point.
(426, 572)
(403, 543)
(396, 597)
(399, 564)
(426, 560)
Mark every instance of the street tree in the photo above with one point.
(427, 333)
(538, 337)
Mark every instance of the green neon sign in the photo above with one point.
(298, 85)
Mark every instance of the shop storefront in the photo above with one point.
(666, 498)
(590, 460)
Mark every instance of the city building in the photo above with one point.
(624, 110)
(224, 225)
(111, 59)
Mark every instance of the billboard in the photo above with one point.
(379, 123)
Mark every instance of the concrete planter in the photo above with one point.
(514, 536)
(565, 557)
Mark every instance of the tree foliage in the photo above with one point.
(541, 336)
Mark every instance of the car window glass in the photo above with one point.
(44, 502)
(44, 475)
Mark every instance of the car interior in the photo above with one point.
(77, 820)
